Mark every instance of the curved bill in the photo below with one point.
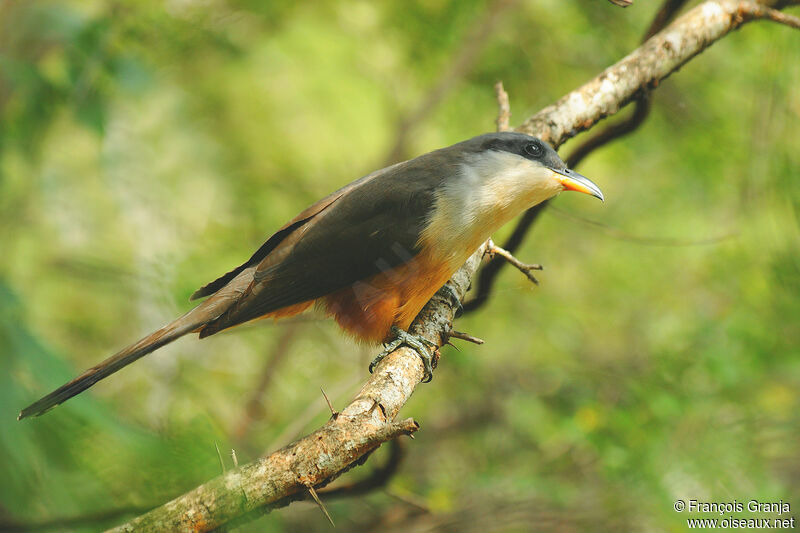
(572, 181)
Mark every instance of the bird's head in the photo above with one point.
(488, 180)
(519, 164)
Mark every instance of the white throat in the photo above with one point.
(492, 188)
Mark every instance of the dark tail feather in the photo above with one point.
(175, 329)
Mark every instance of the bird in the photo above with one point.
(372, 253)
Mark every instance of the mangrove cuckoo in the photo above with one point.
(372, 253)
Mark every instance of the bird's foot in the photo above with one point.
(424, 348)
(448, 292)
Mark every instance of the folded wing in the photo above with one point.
(368, 227)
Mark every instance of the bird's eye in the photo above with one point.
(533, 149)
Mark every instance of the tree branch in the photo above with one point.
(781, 18)
(367, 422)
(317, 459)
(377, 479)
(644, 68)
(721, 18)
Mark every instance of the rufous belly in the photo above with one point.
(369, 308)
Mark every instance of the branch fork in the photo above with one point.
(492, 250)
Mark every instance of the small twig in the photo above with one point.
(489, 273)
(503, 108)
(319, 502)
(621, 3)
(334, 412)
(525, 268)
(465, 337)
(234, 458)
(782, 18)
(219, 455)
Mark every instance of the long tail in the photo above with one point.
(191, 321)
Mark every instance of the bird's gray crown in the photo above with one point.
(516, 143)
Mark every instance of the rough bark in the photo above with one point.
(647, 66)
(368, 420)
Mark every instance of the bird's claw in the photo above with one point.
(421, 345)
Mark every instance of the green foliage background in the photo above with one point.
(146, 147)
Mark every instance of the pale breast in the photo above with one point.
(490, 189)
